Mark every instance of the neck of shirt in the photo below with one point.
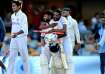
(17, 12)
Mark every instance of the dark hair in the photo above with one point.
(17, 3)
(49, 13)
(58, 11)
(102, 14)
(66, 9)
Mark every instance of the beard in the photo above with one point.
(56, 19)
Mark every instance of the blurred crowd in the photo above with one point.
(90, 31)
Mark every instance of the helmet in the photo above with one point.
(54, 47)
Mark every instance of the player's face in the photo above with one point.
(102, 18)
(46, 17)
(15, 7)
(56, 16)
(65, 13)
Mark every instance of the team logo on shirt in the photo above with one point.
(15, 22)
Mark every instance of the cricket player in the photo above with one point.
(101, 45)
(19, 37)
(67, 42)
(45, 53)
(72, 32)
(61, 26)
(2, 36)
(72, 27)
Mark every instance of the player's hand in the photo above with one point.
(14, 35)
(53, 25)
(1, 44)
(51, 31)
(77, 46)
(97, 46)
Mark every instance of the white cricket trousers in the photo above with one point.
(44, 60)
(45, 57)
(68, 49)
(18, 44)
